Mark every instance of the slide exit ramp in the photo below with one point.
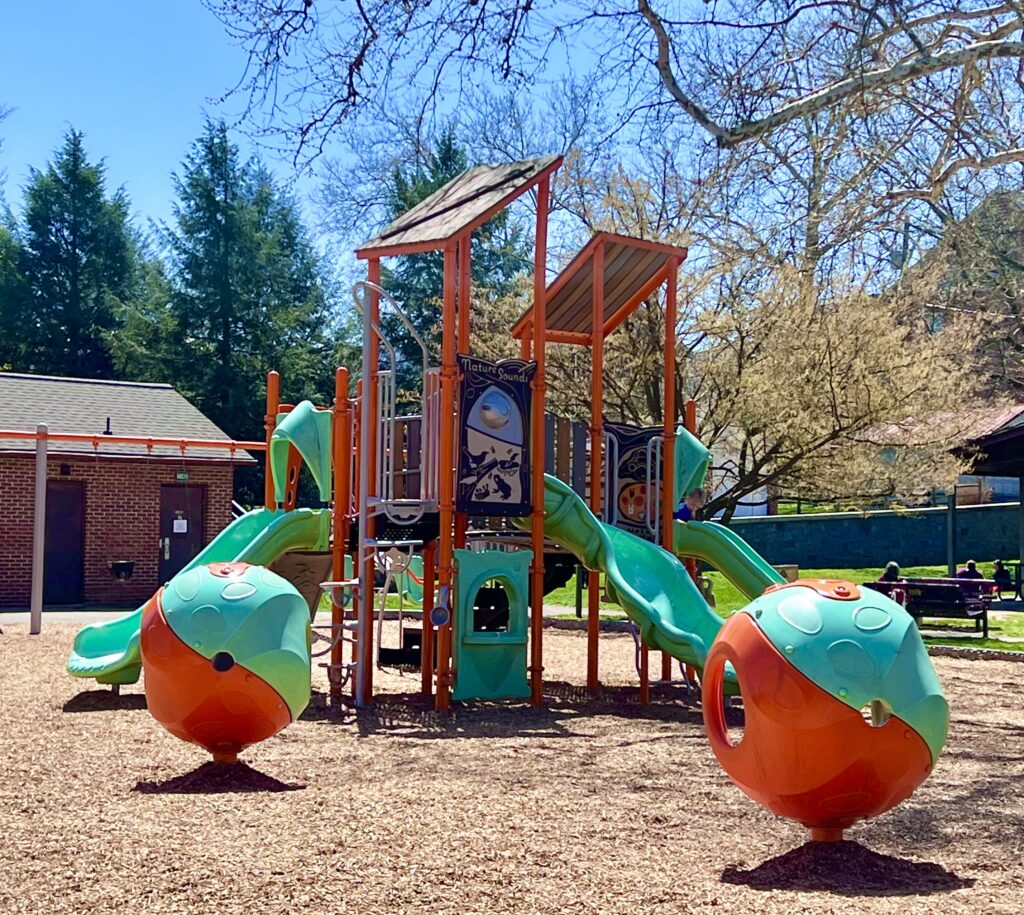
(110, 652)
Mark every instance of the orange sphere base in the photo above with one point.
(224, 712)
(804, 754)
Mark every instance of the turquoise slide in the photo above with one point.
(648, 582)
(720, 547)
(110, 652)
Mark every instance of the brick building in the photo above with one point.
(115, 502)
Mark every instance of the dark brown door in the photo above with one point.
(181, 527)
(64, 548)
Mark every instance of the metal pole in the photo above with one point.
(951, 532)
(39, 533)
(363, 683)
(668, 473)
(596, 468)
(1020, 538)
(341, 520)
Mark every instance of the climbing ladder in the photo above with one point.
(342, 630)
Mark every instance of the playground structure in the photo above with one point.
(807, 657)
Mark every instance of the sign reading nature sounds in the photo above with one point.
(494, 456)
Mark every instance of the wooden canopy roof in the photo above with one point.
(462, 205)
(632, 270)
(997, 447)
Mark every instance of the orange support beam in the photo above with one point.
(629, 307)
(596, 442)
(356, 438)
(540, 256)
(465, 289)
(449, 371)
(269, 423)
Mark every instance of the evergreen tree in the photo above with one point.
(78, 259)
(243, 294)
(499, 256)
(14, 308)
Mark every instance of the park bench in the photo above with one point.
(944, 598)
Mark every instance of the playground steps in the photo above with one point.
(338, 670)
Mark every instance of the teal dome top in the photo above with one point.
(249, 613)
(858, 645)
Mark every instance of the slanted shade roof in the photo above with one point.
(633, 269)
(463, 204)
(79, 405)
(998, 441)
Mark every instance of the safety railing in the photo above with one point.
(397, 503)
(610, 512)
(652, 492)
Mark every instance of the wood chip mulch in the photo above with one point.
(583, 806)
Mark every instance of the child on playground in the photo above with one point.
(689, 507)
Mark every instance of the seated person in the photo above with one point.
(689, 507)
(891, 573)
(1002, 577)
(969, 571)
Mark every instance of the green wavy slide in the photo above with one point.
(720, 547)
(110, 653)
(648, 582)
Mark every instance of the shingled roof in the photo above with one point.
(80, 405)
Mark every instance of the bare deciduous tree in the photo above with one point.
(316, 65)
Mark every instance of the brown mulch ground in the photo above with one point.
(598, 806)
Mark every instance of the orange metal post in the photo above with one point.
(524, 346)
(445, 570)
(427, 644)
(269, 422)
(341, 514)
(465, 287)
(668, 475)
(465, 290)
(540, 256)
(596, 441)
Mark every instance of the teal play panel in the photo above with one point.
(491, 663)
(309, 430)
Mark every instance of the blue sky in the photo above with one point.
(136, 76)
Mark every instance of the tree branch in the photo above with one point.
(934, 192)
(923, 64)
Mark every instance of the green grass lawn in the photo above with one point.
(728, 600)
(1002, 628)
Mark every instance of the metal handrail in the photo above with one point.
(387, 411)
(611, 476)
(653, 461)
(150, 441)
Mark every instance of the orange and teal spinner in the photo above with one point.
(844, 715)
(226, 656)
